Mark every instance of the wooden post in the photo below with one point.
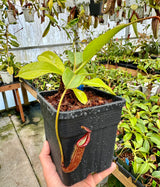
(14, 87)
(5, 100)
(20, 105)
(28, 88)
(25, 96)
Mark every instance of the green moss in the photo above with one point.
(6, 128)
(4, 132)
(5, 137)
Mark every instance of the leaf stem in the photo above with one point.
(56, 125)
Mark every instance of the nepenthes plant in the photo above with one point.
(49, 62)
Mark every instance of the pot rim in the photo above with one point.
(118, 101)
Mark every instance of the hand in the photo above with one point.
(53, 180)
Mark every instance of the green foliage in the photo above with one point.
(49, 62)
(113, 182)
(7, 40)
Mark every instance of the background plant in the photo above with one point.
(7, 40)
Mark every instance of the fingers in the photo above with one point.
(98, 177)
(52, 178)
(93, 180)
(49, 169)
(45, 156)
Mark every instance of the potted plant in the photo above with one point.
(28, 11)
(95, 7)
(70, 129)
(12, 12)
(7, 62)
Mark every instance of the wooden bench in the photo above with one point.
(14, 87)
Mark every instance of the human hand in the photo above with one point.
(53, 180)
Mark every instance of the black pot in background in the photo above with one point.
(121, 162)
(102, 120)
(128, 174)
(95, 8)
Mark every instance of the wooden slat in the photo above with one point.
(28, 88)
(123, 179)
(132, 71)
(9, 87)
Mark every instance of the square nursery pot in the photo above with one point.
(28, 14)
(101, 120)
(134, 86)
(6, 77)
(95, 8)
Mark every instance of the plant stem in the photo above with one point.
(56, 125)
(7, 43)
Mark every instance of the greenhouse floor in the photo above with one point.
(20, 145)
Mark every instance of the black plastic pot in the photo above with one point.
(30, 85)
(129, 174)
(102, 120)
(95, 8)
(121, 162)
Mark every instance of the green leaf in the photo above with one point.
(152, 166)
(154, 108)
(52, 19)
(158, 123)
(81, 96)
(71, 56)
(143, 149)
(76, 57)
(127, 144)
(71, 80)
(141, 125)
(146, 145)
(14, 43)
(10, 70)
(36, 69)
(142, 106)
(139, 139)
(1, 23)
(53, 59)
(136, 167)
(72, 23)
(138, 160)
(95, 45)
(154, 183)
(155, 138)
(13, 36)
(144, 168)
(125, 126)
(96, 82)
(134, 18)
(46, 30)
(152, 127)
(156, 174)
(50, 4)
(139, 93)
(133, 121)
(127, 137)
